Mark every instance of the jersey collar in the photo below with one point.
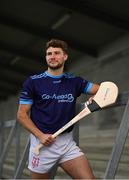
(52, 76)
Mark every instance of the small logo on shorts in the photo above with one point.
(35, 162)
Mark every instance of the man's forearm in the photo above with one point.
(28, 124)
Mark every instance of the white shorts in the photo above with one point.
(63, 149)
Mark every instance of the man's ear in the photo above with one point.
(66, 57)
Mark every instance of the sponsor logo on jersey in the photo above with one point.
(60, 98)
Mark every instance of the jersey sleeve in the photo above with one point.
(88, 87)
(84, 86)
(26, 95)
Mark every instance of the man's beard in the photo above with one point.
(58, 66)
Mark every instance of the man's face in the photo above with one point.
(55, 58)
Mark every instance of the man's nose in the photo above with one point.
(52, 55)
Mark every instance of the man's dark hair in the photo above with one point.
(57, 43)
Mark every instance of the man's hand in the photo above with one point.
(89, 101)
(46, 139)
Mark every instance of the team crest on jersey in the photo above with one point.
(57, 81)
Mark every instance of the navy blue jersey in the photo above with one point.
(53, 99)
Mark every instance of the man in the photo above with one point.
(50, 99)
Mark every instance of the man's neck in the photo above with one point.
(55, 72)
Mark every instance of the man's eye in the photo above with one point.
(57, 52)
(48, 54)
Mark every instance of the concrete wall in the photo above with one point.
(8, 109)
(111, 65)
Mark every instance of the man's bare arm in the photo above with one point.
(24, 119)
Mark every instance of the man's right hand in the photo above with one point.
(47, 139)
